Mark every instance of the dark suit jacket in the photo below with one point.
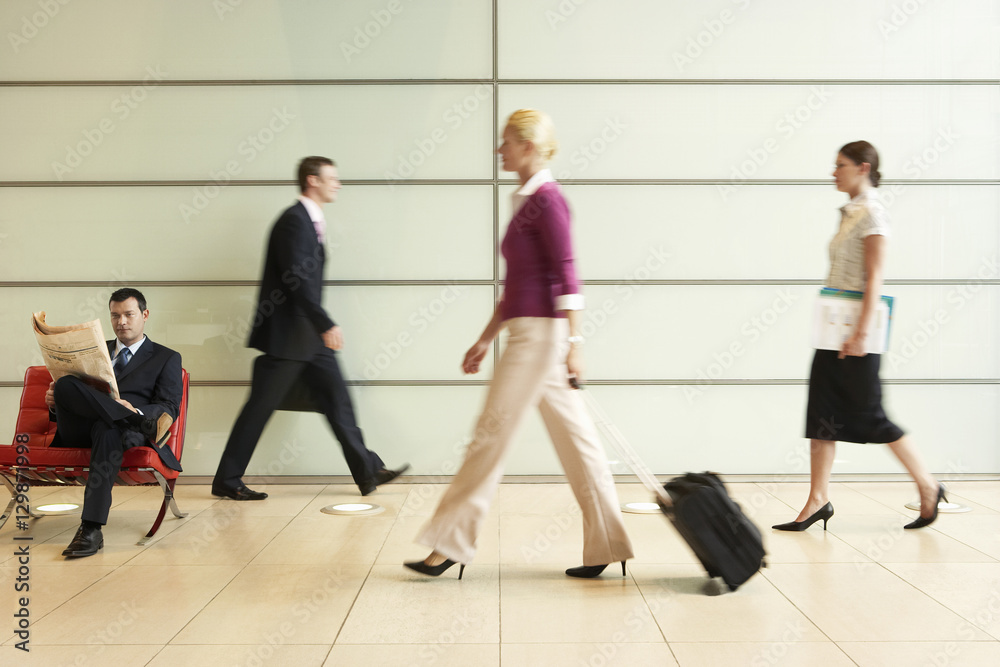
(289, 320)
(151, 382)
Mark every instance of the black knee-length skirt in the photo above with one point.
(845, 400)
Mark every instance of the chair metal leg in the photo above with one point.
(13, 498)
(168, 499)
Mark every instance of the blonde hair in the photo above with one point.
(535, 126)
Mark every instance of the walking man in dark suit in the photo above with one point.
(298, 340)
(150, 386)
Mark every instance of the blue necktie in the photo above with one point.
(122, 359)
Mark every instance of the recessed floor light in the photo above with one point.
(353, 509)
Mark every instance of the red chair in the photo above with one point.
(65, 466)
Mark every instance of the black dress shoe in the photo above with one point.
(920, 521)
(823, 514)
(86, 542)
(435, 570)
(241, 493)
(383, 476)
(589, 571)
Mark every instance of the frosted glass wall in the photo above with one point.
(152, 144)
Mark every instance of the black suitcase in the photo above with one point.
(727, 543)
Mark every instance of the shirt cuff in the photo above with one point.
(569, 302)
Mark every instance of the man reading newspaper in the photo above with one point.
(150, 388)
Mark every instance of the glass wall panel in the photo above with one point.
(231, 39)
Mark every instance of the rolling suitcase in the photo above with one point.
(727, 543)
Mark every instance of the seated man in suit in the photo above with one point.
(150, 386)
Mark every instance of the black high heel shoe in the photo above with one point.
(590, 571)
(435, 570)
(920, 521)
(824, 513)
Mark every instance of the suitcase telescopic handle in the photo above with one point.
(624, 449)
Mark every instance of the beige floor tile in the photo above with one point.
(897, 495)
(325, 538)
(92, 655)
(814, 545)
(607, 654)
(214, 539)
(978, 531)
(422, 499)
(984, 494)
(401, 543)
(541, 605)
(550, 539)
(271, 655)
(542, 499)
(756, 612)
(134, 604)
(190, 498)
(121, 535)
(655, 540)
(779, 653)
(931, 654)
(48, 587)
(399, 606)
(756, 500)
(443, 654)
(848, 603)
(300, 605)
(882, 538)
(971, 590)
(845, 499)
(282, 500)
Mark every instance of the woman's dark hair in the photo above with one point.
(859, 152)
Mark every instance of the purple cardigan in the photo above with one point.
(539, 256)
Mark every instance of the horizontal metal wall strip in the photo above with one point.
(486, 181)
(938, 282)
(503, 81)
(432, 283)
(8, 384)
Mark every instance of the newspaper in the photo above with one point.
(78, 350)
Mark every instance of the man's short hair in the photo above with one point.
(126, 293)
(310, 166)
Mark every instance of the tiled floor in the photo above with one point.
(279, 583)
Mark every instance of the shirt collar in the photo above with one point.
(315, 212)
(131, 348)
(540, 178)
(865, 197)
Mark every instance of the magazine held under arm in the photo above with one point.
(836, 316)
(78, 350)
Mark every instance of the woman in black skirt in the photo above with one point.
(845, 393)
